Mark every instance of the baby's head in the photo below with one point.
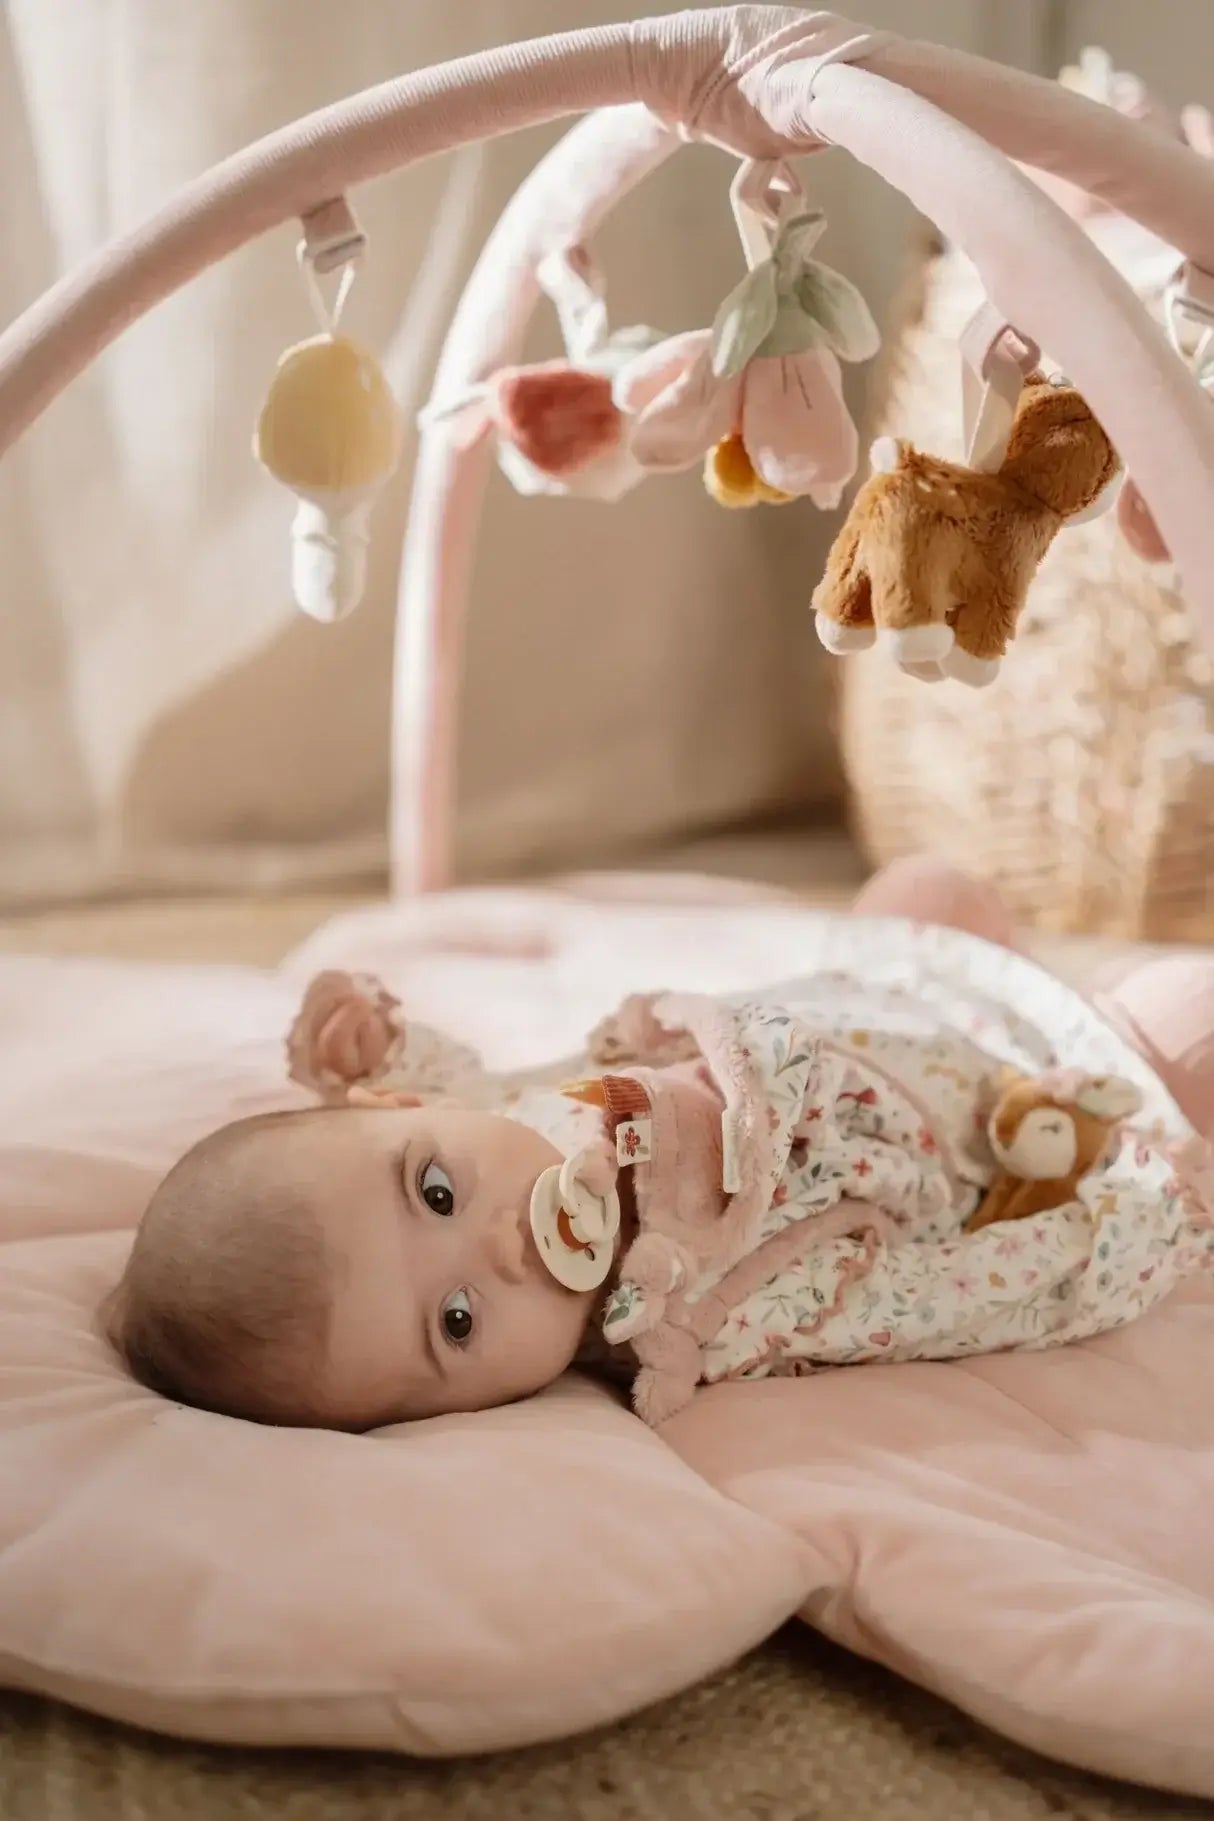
(346, 1267)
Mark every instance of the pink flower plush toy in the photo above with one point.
(759, 395)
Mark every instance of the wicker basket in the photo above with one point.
(1082, 782)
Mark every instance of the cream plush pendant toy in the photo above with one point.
(329, 430)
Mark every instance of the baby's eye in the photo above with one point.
(457, 1317)
(437, 1193)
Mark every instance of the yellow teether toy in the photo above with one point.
(330, 430)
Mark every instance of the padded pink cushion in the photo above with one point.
(1027, 1535)
(473, 1582)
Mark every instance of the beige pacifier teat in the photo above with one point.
(574, 1230)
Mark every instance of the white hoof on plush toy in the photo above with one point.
(843, 639)
(923, 673)
(920, 644)
(975, 673)
(884, 454)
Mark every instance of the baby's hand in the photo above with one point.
(346, 1027)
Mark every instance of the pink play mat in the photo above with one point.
(1023, 1534)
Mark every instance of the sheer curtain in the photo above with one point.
(166, 719)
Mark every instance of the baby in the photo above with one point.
(774, 1182)
(349, 1266)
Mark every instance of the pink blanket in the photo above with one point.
(1024, 1534)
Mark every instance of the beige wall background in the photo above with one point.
(1169, 43)
(166, 719)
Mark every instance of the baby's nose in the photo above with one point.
(507, 1246)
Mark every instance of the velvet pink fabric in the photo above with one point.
(1028, 1535)
(227, 1581)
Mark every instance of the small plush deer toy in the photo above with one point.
(1048, 1132)
(936, 558)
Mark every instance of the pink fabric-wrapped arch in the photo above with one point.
(761, 81)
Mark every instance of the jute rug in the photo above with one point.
(797, 1732)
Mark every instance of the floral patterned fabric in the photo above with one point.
(894, 1121)
(853, 1102)
(874, 1091)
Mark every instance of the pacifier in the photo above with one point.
(574, 1230)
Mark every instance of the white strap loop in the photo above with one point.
(328, 315)
(763, 193)
(1188, 314)
(332, 235)
(996, 361)
(572, 280)
(332, 242)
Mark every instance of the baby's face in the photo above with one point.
(440, 1300)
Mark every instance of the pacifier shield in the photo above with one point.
(575, 1262)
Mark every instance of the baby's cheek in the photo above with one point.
(555, 1325)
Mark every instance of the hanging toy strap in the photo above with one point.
(1188, 316)
(996, 361)
(1188, 313)
(763, 194)
(332, 242)
(572, 280)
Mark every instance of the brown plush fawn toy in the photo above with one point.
(937, 558)
(1048, 1132)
